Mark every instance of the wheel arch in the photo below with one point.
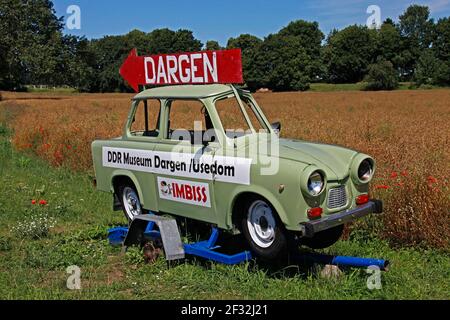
(241, 198)
(121, 177)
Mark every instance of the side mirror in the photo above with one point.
(208, 137)
(276, 126)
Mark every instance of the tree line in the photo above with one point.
(34, 50)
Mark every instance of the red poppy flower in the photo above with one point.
(43, 203)
(405, 173)
(33, 201)
(432, 180)
(394, 175)
(382, 187)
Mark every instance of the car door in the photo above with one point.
(143, 131)
(183, 175)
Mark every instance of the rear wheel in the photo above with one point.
(263, 230)
(130, 201)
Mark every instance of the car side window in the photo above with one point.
(189, 121)
(146, 122)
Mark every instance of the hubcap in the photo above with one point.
(131, 203)
(261, 224)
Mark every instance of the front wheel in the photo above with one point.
(263, 230)
(130, 202)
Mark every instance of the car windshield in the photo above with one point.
(238, 122)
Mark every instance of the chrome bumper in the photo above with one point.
(309, 229)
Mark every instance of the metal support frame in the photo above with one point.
(168, 231)
(143, 227)
(343, 261)
(208, 250)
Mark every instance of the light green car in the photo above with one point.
(230, 169)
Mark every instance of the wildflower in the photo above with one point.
(43, 203)
(394, 175)
(69, 147)
(432, 180)
(382, 187)
(33, 201)
(404, 173)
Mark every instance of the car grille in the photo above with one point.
(337, 197)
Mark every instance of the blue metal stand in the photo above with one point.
(116, 236)
(204, 249)
(343, 261)
(208, 250)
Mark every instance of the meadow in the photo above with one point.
(45, 155)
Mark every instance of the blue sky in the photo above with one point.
(220, 20)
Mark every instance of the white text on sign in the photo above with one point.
(193, 68)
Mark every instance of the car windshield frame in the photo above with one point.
(240, 96)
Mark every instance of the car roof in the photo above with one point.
(184, 91)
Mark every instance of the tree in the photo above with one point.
(286, 63)
(382, 76)
(252, 64)
(31, 40)
(441, 43)
(81, 63)
(415, 24)
(290, 59)
(348, 53)
(417, 31)
(110, 52)
(441, 50)
(388, 44)
(212, 45)
(309, 36)
(429, 69)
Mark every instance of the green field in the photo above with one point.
(360, 86)
(35, 267)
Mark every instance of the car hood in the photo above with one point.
(334, 160)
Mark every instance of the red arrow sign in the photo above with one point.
(222, 66)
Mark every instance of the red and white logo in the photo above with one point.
(195, 193)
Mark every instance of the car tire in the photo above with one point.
(264, 231)
(131, 204)
(324, 239)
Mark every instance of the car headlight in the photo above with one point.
(362, 169)
(365, 171)
(315, 184)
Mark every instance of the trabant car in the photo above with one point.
(208, 153)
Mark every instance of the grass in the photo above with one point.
(35, 268)
(49, 90)
(361, 86)
(330, 87)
